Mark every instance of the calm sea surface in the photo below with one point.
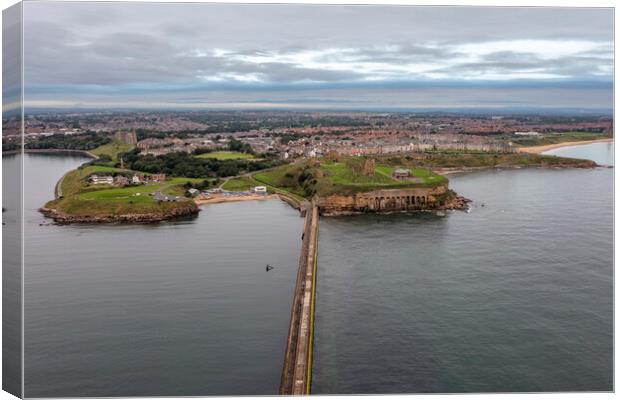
(514, 296)
(178, 308)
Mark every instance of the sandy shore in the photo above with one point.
(540, 149)
(229, 199)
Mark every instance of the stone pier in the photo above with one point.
(297, 370)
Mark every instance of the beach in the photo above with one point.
(541, 149)
(229, 199)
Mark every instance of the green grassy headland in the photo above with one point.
(81, 198)
(555, 138)
(240, 184)
(324, 177)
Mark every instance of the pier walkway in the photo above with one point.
(297, 370)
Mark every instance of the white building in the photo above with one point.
(136, 180)
(260, 189)
(102, 180)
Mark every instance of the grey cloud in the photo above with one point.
(123, 44)
(517, 62)
(285, 72)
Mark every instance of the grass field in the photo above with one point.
(82, 198)
(341, 174)
(227, 155)
(330, 177)
(135, 194)
(75, 181)
(239, 184)
(482, 160)
(554, 138)
(422, 175)
(112, 149)
(138, 193)
(78, 207)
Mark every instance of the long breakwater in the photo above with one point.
(297, 370)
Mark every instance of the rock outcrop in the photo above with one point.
(392, 200)
(62, 217)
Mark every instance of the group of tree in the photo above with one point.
(233, 145)
(203, 185)
(303, 178)
(183, 164)
(11, 145)
(86, 141)
(237, 145)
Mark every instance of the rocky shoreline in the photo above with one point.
(452, 202)
(457, 202)
(60, 217)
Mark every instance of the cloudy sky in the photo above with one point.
(140, 55)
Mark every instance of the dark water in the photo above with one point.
(12, 275)
(179, 308)
(514, 296)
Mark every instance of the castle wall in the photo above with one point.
(126, 137)
(385, 200)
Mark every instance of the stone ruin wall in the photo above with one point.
(384, 200)
(126, 137)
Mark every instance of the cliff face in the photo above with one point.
(391, 200)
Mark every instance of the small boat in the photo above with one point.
(268, 267)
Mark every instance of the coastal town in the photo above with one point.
(349, 162)
(291, 135)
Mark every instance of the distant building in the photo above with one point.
(126, 137)
(121, 180)
(158, 196)
(260, 189)
(531, 133)
(158, 177)
(193, 192)
(101, 180)
(152, 143)
(401, 173)
(137, 179)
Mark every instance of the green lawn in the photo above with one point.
(330, 177)
(82, 198)
(239, 184)
(126, 194)
(341, 174)
(423, 175)
(275, 176)
(553, 138)
(112, 149)
(277, 181)
(226, 155)
(75, 181)
(138, 193)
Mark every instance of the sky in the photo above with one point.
(226, 56)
